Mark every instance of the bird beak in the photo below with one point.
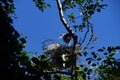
(60, 37)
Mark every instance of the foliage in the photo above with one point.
(41, 4)
(17, 64)
(109, 68)
(102, 63)
(11, 44)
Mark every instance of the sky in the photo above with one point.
(39, 26)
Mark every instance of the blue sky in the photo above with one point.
(39, 26)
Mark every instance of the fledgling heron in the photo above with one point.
(66, 37)
(51, 47)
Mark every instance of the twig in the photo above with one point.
(84, 38)
(90, 39)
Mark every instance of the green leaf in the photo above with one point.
(85, 69)
(79, 1)
(71, 17)
(91, 12)
(84, 76)
(24, 45)
(112, 54)
(80, 72)
(89, 71)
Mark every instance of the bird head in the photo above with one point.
(66, 37)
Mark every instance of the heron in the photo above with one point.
(66, 37)
(52, 47)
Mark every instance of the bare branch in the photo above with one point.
(84, 38)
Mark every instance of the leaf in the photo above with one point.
(35, 60)
(88, 77)
(98, 10)
(93, 53)
(81, 66)
(88, 58)
(112, 60)
(85, 69)
(41, 4)
(89, 62)
(79, 1)
(93, 64)
(84, 76)
(105, 53)
(23, 45)
(85, 53)
(110, 49)
(23, 40)
(71, 17)
(112, 54)
(91, 12)
(100, 50)
(42, 57)
(80, 72)
(99, 59)
(117, 47)
(89, 71)
(95, 56)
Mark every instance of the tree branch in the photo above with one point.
(62, 18)
(84, 38)
(91, 37)
(74, 36)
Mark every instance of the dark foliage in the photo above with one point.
(10, 45)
